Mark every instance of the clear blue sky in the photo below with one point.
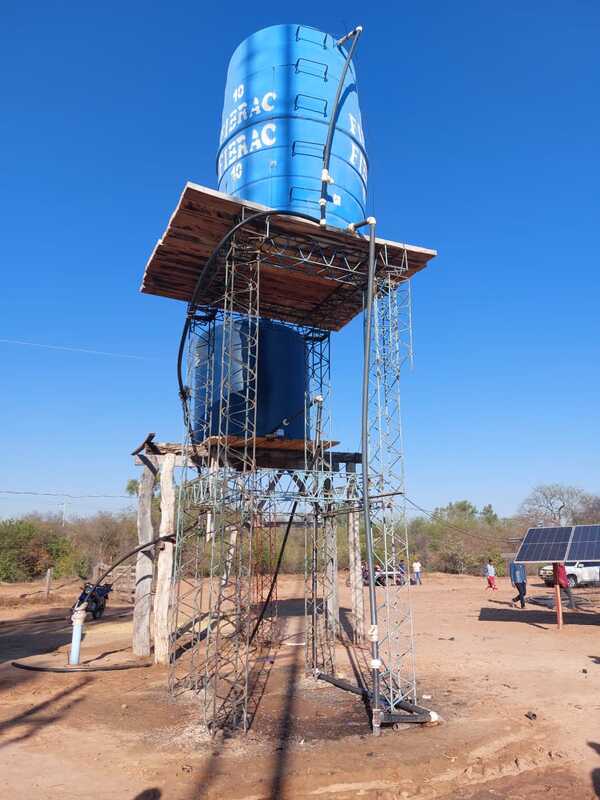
(483, 130)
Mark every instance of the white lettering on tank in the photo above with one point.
(242, 113)
(242, 150)
(356, 129)
(238, 93)
(268, 134)
(256, 143)
(268, 101)
(231, 152)
(236, 171)
(357, 158)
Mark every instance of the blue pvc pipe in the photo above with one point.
(77, 618)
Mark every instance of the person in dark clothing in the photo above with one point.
(560, 576)
(518, 578)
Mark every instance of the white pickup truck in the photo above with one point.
(579, 573)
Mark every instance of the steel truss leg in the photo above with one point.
(391, 348)
(321, 611)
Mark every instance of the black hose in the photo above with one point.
(128, 555)
(275, 574)
(78, 668)
(329, 142)
(205, 270)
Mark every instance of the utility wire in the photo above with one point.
(75, 349)
(436, 517)
(64, 494)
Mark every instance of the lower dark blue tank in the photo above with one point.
(281, 382)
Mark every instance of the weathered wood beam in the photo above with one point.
(164, 568)
(144, 567)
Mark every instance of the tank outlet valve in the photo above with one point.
(371, 220)
(326, 177)
(322, 201)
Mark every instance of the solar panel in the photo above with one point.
(585, 543)
(544, 544)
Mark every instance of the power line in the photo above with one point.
(437, 517)
(64, 494)
(75, 349)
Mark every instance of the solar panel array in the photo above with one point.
(578, 543)
(585, 543)
(544, 544)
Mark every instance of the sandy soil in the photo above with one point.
(484, 664)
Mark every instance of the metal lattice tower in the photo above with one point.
(239, 491)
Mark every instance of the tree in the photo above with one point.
(488, 514)
(552, 504)
(588, 511)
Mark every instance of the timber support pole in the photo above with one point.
(164, 569)
(144, 567)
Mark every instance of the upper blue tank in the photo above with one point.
(279, 96)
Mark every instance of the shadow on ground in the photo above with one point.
(29, 722)
(537, 618)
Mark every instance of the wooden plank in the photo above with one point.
(144, 567)
(164, 568)
(305, 292)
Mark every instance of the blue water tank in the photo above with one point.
(281, 381)
(281, 87)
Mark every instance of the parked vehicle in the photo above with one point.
(95, 600)
(579, 573)
(382, 576)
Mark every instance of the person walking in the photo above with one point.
(518, 578)
(490, 573)
(417, 572)
(560, 575)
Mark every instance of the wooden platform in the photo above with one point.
(309, 275)
(270, 452)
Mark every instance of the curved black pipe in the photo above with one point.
(78, 668)
(329, 142)
(166, 538)
(183, 391)
(275, 574)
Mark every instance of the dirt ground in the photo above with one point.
(484, 664)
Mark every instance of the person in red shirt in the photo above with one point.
(560, 576)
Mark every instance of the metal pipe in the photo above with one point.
(77, 618)
(373, 632)
(341, 684)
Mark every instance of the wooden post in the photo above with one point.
(48, 582)
(144, 564)
(355, 566)
(164, 568)
(558, 599)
